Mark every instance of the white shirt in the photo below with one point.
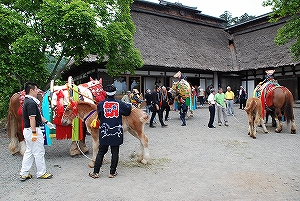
(211, 98)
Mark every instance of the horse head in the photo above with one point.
(70, 112)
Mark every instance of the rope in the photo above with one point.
(81, 94)
(77, 142)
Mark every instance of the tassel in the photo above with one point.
(95, 123)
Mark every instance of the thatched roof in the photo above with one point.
(255, 47)
(173, 36)
(169, 42)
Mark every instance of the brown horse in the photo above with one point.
(134, 124)
(254, 112)
(280, 100)
(14, 124)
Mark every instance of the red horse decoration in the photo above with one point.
(279, 102)
(15, 125)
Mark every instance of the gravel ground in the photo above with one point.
(187, 163)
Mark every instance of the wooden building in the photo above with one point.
(173, 37)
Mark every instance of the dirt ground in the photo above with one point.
(187, 163)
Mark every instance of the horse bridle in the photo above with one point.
(74, 113)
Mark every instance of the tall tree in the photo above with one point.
(235, 20)
(36, 33)
(290, 32)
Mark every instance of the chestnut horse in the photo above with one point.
(14, 124)
(254, 111)
(134, 124)
(280, 100)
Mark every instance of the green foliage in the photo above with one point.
(37, 38)
(235, 20)
(290, 32)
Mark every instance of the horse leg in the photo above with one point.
(82, 144)
(143, 154)
(251, 126)
(273, 120)
(263, 125)
(95, 144)
(74, 149)
(279, 117)
(293, 126)
(255, 123)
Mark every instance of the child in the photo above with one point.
(182, 110)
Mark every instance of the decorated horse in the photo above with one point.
(278, 101)
(183, 89)
(134, 124)
(254, 112)
(53, 103)
(14, 124)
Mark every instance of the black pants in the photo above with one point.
(242, 103)
(160, 117)
(167, 108)
(114, 158)
(212, 111)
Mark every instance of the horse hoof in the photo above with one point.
(293, 132)
(254, 137)
(91, 164)
(277, 131)
(144, 162)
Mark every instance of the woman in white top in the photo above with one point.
(211, 108)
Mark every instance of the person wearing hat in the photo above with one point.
(126, 97)
(135, 98)
(110, 113)
(211, 108)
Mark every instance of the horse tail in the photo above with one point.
(12, 125)
(289, 104)
(250, 105)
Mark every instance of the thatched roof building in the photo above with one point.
(174, 37)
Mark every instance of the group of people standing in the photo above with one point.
(223, 102)
(157, 102)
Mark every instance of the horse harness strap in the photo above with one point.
(90, 114)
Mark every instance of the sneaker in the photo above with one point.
(183, 124)
(226, 123)
(46, 176)
(165, 125)
(220, 124)
(151, 126)
(24, 178)
(211, 127)
(112, 175)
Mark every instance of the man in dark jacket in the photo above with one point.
(157, 108)
(110, 113)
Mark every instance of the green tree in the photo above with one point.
(39, 38)
(290, 32)
(235, 20)
(227, 16)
